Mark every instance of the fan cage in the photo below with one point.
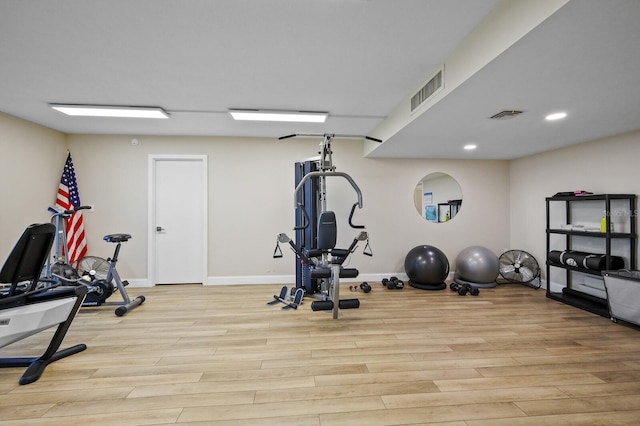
(95, 263)
(510, 263)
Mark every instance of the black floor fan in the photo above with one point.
(518, 266)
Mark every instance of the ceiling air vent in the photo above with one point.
(506, 115)
(427, 91)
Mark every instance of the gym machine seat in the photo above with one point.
(325, 262)
(28, 308)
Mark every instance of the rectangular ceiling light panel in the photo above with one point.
(289, 116)
(110, 111)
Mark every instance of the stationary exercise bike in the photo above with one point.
(99, 275)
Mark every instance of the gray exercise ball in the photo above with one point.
(478, 266)
(427, 267)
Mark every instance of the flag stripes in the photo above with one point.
(68, 198)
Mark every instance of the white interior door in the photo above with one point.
(178, 220)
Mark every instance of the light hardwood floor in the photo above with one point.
(220, 356)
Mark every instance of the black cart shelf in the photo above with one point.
(570, 294)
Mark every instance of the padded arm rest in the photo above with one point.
(320, 273)
(349, 272)
(313, 253)
(340, 252)
(326, 273)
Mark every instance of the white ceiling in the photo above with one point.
(357, 59)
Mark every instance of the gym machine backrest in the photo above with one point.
(327, 231)
(327, 238)
(26, 260)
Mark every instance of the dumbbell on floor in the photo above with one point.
(365, 287)
(463, 289)
(393, 283)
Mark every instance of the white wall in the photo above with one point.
(251, 185)
(607, 165)
(251, 195)
(30, 168)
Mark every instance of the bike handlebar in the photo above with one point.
(68, 212)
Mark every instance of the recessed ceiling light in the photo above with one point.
(290, 116)
(556, 116)
(110, 111)
(470, 147)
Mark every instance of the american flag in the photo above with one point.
(68, 198)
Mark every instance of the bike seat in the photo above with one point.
(117, 238)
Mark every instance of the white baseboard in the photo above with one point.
(288, 279)
(139, 282)
(277, 279)
(252, 279)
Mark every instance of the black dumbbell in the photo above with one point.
(365, 287)
(463, 289)
(459, 288)
(393, 283)
(389, 283)
(473, 290)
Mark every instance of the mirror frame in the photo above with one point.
(434, 207)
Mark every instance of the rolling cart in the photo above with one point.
(623, 295)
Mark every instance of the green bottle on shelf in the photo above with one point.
(603, 225)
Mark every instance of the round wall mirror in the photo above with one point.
(438, 197)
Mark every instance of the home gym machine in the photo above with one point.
(100, 276)
(318, 263)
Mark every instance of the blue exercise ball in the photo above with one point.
(426, 266)
(477, 265)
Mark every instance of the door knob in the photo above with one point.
(159, 229)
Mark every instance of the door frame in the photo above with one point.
(153, 159)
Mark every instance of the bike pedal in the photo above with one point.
(125, 283)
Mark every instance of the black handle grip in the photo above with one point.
(353, 209)
(67, 212)
(277, 253)
(287, 136)
(75, 209)
(373, 139)
(307, 220)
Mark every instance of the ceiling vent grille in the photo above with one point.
(506, 115)
(427, 91)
